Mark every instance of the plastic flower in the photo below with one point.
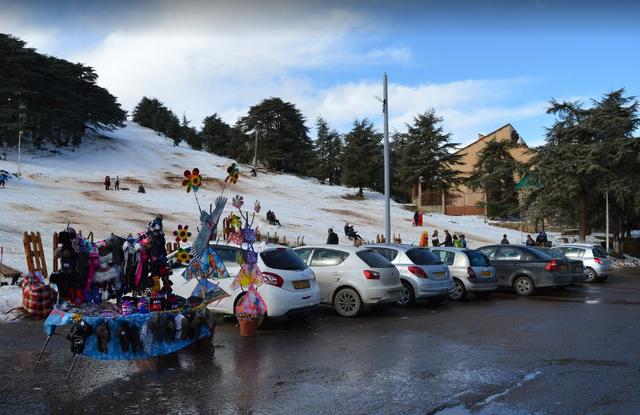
(183, 256)
(234, 221)
(233, 173)
(182, 233)
(193, 180)
(256, 206)
(237, 201)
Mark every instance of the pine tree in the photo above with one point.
(283, 140)
(426, 151)
(216, 135)
(362, 158)
(328, 149)
(494, 173)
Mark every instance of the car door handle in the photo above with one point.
(336, 273)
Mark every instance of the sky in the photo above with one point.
(478, 64)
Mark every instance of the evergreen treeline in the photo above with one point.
(49, 98)
(153, 114)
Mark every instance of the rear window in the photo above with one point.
(423, 257)
(599, 252)
(373, 259)
(477, 259)
(555, 253)
(283, 259)
(539, 254)
(390, 254)
(328, 257)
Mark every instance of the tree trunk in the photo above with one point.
(583, 209)
(360, 192)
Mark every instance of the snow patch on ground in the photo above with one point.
(66, 187)
(10, 298)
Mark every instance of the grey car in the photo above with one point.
(597, 264)
(422, 274)
(526, 268)
(471, 272)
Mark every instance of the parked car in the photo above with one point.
(351, 277)
(471, 271)
(596, 262)
(577, 267)
(290, 288)
(422, 274)
(525, 268)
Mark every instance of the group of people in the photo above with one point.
(4, 176)
(449, 240)
(349, 232)
(541, 239)
(417, 218)
(107, 183)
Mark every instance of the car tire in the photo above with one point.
(592, 276)
(407, 296)
(523, 286)
(459, 293)
(347, 302)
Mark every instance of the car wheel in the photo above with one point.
(407, 296)
(523, 286)
(459, 292)
(591, 275)
(347, 302)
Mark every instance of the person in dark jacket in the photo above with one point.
(530, 241)
(541, 239)
(504, 241)
(107, 183)
(448, 239)
(332, 238)
(416, 218)
(434, 238)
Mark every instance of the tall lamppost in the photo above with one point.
(21, 116)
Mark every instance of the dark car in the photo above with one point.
(525, 268)
(577, 266)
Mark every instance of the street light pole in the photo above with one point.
(387, 185)
(19, 153)
(607, 215)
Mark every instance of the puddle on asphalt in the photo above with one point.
(586, 300)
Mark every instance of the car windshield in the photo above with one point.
(421, 256)
(599, 252)
(284, 259)
(478, 259)
(373, 259)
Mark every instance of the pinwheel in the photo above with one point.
(237, 202)
(256, 206)
(233, 173)
(183, 256)
(193, 180)
(182, 234)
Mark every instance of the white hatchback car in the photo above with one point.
(290, 288)
(422, 273)
(351, 277)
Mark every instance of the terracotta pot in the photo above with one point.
(248, 328)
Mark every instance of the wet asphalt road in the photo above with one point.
(564, 351)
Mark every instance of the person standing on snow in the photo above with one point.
(530, 241)
(448, 240)
(504, 241)
(457, 242)
(416, 218)
(107, 183)
(434, 239)
(332, 238)
(463, 241)
(117, 185)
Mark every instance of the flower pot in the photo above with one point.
(248, 328)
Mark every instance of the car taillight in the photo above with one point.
(371, 275)
(273, 279)
(598, 260)
(552, 265)
(471, 274)
(418, 272)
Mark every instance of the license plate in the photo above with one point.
(301, 285)
(486, 273)
(438, 274)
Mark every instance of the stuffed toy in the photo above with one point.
(104, 335)
(143, 306)
(78, 336)
(127, 308)
(155, 286)
(186, 326)
(178, 321)
(123, 331)
(158, 327)
(156, 303)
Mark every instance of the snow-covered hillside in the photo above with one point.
(67, 187)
